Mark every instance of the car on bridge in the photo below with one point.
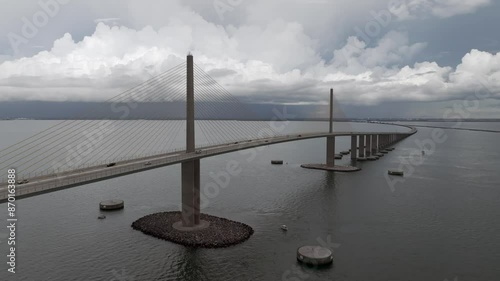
(147, 164)
(111, 165)
(198, 151)
(22, 181)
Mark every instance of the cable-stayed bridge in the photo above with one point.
(78, 152)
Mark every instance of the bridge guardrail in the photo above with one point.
(92, 175)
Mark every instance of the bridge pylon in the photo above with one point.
(190, 170)
(330, 141)
(330, 149)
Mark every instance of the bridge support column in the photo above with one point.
(361, 146)
(330, 151)
(374, 144)
(368, 149)
(354, 146)
(190, 193)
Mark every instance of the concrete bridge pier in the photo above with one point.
(384, 141)
(375, 141)
(354, 147)
(362, 146)
(368, 149)
(330, 151)
(190, 193)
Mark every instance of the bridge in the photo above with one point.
(38, 159)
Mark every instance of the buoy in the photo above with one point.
(111, 205)
(314, 255)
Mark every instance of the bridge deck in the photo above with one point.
(53, 182)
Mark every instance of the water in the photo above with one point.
(440, 223)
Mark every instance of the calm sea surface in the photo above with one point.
(440, 222)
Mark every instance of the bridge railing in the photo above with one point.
(68, 179)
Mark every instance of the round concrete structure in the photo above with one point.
(395, 172)
(314, 255)
(109, 205)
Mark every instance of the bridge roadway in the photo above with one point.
(63, 180)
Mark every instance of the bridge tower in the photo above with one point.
(190, 169)
(330, 141)
(330, 150)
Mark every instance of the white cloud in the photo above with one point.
(113, 21)
(411, 9)
(273, 61)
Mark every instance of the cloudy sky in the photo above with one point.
(421, 58)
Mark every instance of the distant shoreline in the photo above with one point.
(362, 120)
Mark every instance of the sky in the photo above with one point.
(396, 58)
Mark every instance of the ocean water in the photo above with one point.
(440, 222)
